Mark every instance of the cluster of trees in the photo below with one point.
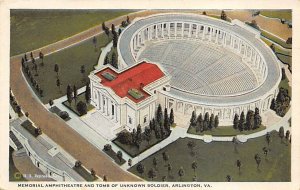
(289, 40)
(281, 103)
(114, 59)
(223, 15)
(29, 71)
(15, 105)
(160, 126)
(72, 94)
(125, 22)
(203, 124)
(250, 122)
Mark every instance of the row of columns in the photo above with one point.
(206, 33)
(107, 106)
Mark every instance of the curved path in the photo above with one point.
(56, 128)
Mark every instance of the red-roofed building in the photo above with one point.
(128, 97)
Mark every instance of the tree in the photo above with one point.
(159, 115)
(199, 124)
(41, 55)
(113, 28)
(191, 145)
(287, 135)
(78, 163)
(239, 164)
(140, 168)
(204, 13)
(193, 119)
(27, 114)
(114, 61)
(104, 178)
(82, 71)
(257, 160)
(265, 151)
(283, 76)
(119, 31)
(25, 57)
(129, 162)
(93, 173)
(95, 42)
(206, 121)
(216, 121)
(169, 168)
(87, 93)
(281, 133)
(289, 40)
(81, 108)
(106, 60)
(272, 46)
(257, 119)
(165, 156)
(128, 20)
(115, 39)
(223, 15)
(69, 94)
(181, 173)
(119, 155)
(56, 69)
(75, 93)
(51, 102)
(104, 26)
(228, 178)
(58, 84)
(242, 121)
(250, 120)
(125, 137)
(166, 121)
(268, 138)
(31, 55)
(273, 104)
(171, 120)
(194, 166)
(154, 161)
(152, 174)
(211, 121)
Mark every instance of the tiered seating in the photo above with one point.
(199, 68)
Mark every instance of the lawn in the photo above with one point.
(69, 61)
(72, 107)
(133, 151)
(285, 59)
(281, 14)
(32, 29)
(276, 39)
(216, 160)
(285, 84)
(224, 131)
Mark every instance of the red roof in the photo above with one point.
(134, 78)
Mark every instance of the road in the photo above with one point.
(56, 128)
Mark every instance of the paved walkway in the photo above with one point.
(24, 164)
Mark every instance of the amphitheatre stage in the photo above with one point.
(215, 66)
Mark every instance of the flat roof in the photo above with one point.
(136, 77)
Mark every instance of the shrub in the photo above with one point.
(107, 147)
(125, 137)
(81, 108)
(63, 115)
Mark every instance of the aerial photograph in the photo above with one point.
(150, 95)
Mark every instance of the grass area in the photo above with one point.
(69, 61)
(276, 39)
(113, 155)
(224, 131)
(73, 107)
(29, 127)
(84, 173)
(14, 173)
(216, 160)
(281, 14)
(32, 29)
(133, 151)
(283, 55)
